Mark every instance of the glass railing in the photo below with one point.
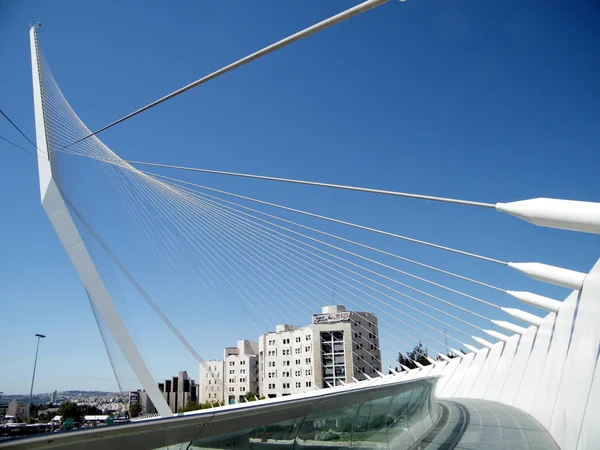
(395, 421)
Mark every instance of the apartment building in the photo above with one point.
(179, 391)
(338, 347)
(235, 375)
(346, 346)
(286, 361)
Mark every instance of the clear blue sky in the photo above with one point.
(484, 101)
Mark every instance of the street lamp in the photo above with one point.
(39, 336)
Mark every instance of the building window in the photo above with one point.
(307, 349)
(298, 384)
(372, 347)
(298, 339)
(298, 373)
(355, 334)
(297, 361)
(307, 372)
(298, 350)
(308, 337)
(308, 360)
(308, 383)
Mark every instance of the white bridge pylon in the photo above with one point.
(60, 217)
(545, 367)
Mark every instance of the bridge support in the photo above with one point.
(69, 236)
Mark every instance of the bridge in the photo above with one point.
(527, 378)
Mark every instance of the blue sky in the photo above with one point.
(488, 102)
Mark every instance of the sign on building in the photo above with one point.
(328, 318)
(133, 398)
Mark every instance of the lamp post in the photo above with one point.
(37, 348)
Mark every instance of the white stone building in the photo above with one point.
(233, 376)
(338, 347)
(241, 370)
(211, 381)
(286, 361)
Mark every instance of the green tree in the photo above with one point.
(70, 410)
(249, 396)
(449, 355)
(419, 354)
(135, 410)
(191, 406)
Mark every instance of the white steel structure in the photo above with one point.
(60, 217)
(546, 366)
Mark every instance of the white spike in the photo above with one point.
(457, 353)
(483, 342)
(509, 326)
(393, 370)
(431, 360)
(245, 399)
(495, 334)
(418, 364)
(328, 384)
(540, 301)
(445, 357)
(368, 377)
(404, 367)
(355, 379)
(555, 213)
(526, 317)
(551, 274)
(343, 384)
(470, 347)
(379, 373)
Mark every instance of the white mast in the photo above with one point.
(67, 232)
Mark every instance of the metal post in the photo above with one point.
(37, 348)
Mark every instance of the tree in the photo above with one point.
(134, 410)
(449, 355)
(418, 354)
(249, 396)
(191, 406)
(70, 410)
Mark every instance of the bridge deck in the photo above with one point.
(481, 424)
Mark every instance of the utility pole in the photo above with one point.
(446, 341)
(37, 348)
